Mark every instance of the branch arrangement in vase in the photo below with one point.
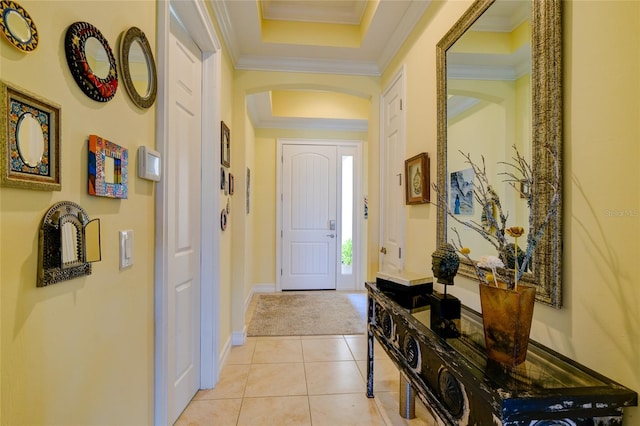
(493, 226)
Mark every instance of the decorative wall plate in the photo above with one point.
(91, 61)
(17, 26)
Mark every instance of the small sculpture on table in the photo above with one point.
(445, 308)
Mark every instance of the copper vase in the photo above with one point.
(506, 316)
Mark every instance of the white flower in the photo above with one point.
(490, 262)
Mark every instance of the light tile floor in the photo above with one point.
(301, 380)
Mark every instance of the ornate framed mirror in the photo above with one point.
(29, 140)
(499, 70)
(68, 243)
(17, 26)
(91, 61)
(137, 68)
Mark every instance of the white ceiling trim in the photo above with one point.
(409, 21)
(307, 65)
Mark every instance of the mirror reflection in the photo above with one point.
(30, 140)
(69, 244)
(489, 112)
(97, 58)
(17, 25)
(139, 68)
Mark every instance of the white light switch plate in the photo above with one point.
(126, 248)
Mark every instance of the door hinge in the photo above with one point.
(399, 252)
(401, 105)
(281, 234)
(280, 271)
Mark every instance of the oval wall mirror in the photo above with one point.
(91, 61)
(137, 67)
(17, 26)
(30, 140)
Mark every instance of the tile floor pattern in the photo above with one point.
(301, 380)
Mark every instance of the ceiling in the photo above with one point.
(355, 37)
(327, 36)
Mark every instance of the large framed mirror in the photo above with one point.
(499, 73)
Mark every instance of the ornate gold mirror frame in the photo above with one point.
(546, 85)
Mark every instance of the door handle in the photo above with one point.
(383, 250)
(330, 235)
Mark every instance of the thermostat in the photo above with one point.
(149, 164)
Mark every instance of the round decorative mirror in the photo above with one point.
(17, 26)
(138, 68)
(91, 61)
(30, 140)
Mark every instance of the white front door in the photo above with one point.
(309, 217)
(183, 181)
(392, 175)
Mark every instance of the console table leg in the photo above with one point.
(407, 404)
(370, 364)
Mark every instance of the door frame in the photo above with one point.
(358, 209)
(194, 16)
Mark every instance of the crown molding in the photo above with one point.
(409, 21)
(307, 65)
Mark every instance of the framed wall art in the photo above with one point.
(29, 140)
(461, 192)
(225, 145)
(108, 168)
(416, 174)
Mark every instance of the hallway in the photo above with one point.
(301, 380)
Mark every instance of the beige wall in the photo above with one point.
(599, 324)
(81, 351)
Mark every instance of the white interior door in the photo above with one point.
(309, 217)
(392, 175)
(184, 227)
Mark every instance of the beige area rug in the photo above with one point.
(307, 314)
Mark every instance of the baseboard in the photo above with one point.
(224, 353)
(239, 337)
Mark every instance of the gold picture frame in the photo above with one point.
(29, 140)
(417, 182)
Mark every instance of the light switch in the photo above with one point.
(126, 248)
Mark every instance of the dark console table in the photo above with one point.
(460, 386)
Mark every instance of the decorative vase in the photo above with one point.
(506, 316)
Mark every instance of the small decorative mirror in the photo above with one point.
(17, 26)
(138, 68)
(68, 243)
(91, 61)
(29, 140)
(108, 168)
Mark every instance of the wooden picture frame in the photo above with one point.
(29, 140)
(225, 145)
(417, 182)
